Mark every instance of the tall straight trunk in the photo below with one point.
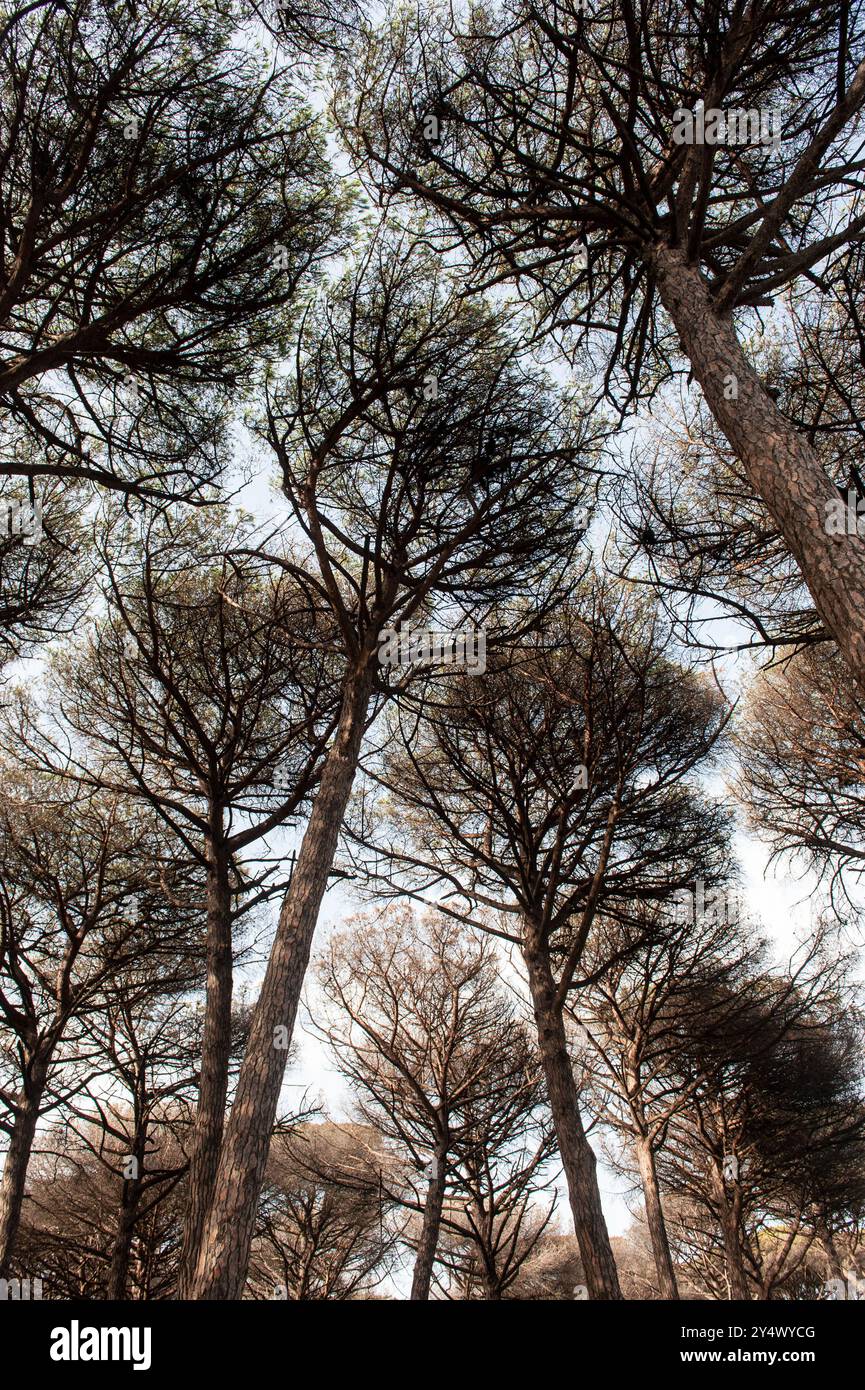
(780, 464)
(655, 1218)
(14, 1181)
(429, 1236)
(578, 1160)
(739, 1286)
(118, 1271)
(224, 1254)
(215, 1055)
(728, 1216)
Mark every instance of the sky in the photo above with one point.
(784, 904)
(781, 900)
(781, 903)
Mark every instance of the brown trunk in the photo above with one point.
(492, 1285)
(578, 1160)
(225, 1248)
(739, 1286)
(655, 1218)
(119, 1269)
(728, 1216)
(780, 464)
(429, 1236)
(14, 1180)
(215, 1055)
(830, 1249)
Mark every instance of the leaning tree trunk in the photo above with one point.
(215, 1055)
(780, 464)
(228, 1234)
(14, 1180)
(578, 1160)
(655, 1218)
(430, 1228)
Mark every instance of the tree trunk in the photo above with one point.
(14, 1180)
(578, 1160)
(429, 1236)
(119, 1269)
(655, 1218)
(225, 1248)
(215, 1055)
(830, 1249)
(728, 1215)
(739, 1286)
(780, 464)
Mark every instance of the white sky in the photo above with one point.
(784, 904)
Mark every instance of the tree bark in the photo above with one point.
(224, 1255)
(655, 1218)
(578, 1160)
(14, 1181)
(429, 1236)
(119, 1268)
(215, 1055)
(739, 1287)
(728, 1215)
(830, 1249)
(780, 464)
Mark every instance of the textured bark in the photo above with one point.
(224, 1255)
(728, 1215)
(429, 1236)
(782, 468)
(655, 1218)
(119, 1268)
(739, 1287)
(833, 1259)
(14, 1181)
(215, 1055)
(578, 1160)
